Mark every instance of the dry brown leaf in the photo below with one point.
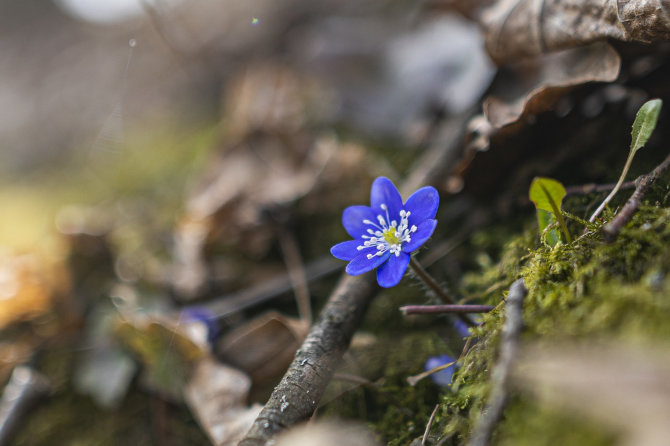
(539, 83)
(164, 348)
(217, 396)
(623, 386)
(515, 29)
(263, 347)
(270, 160)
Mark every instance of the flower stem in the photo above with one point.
(431, 283)
(626, 167)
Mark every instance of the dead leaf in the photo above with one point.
(165, 350)
(217, 395)
(624, 386)
(265, 346)
(517, 29)
(270, 160)
(535, 85)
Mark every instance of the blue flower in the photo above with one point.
(386, 232)
(203, 318)
(443, 377)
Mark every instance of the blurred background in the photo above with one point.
(173, 175)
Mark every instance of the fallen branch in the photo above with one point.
(500, 374)
(611, 230)
(297, 395)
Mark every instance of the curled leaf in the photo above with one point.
(516, 29)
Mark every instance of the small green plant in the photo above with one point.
(644, 125)
(547, 194)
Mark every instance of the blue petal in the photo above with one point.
(361, 264)
(422, 205)
(391, 272)
(352, 220)
(384, 192)
(348, 250)
(443, 377)
(423, 233)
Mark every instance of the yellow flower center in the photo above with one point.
(391, 237)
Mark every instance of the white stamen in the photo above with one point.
(390, 235)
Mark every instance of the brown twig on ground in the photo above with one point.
(586, 189)
(643, 183)
(296, 272)
(500, 374)
(412, 380)
(298, 394)
(428, 280)
(441, 309)
(235, 302)
(429, 425)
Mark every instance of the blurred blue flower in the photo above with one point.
(202, 316)
(461, 327)
(443, 377)
(386, 232)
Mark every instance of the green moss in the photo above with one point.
(588, 289)
(394, 409)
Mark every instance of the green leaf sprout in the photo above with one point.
(644, 125)
(547, 194)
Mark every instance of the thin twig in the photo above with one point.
(232, 303)
(499, 376)
(440, 309)
(643, 183)
(296, 272)
(429, 425)
(428, 280)
(412, 380)
(592, 188)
